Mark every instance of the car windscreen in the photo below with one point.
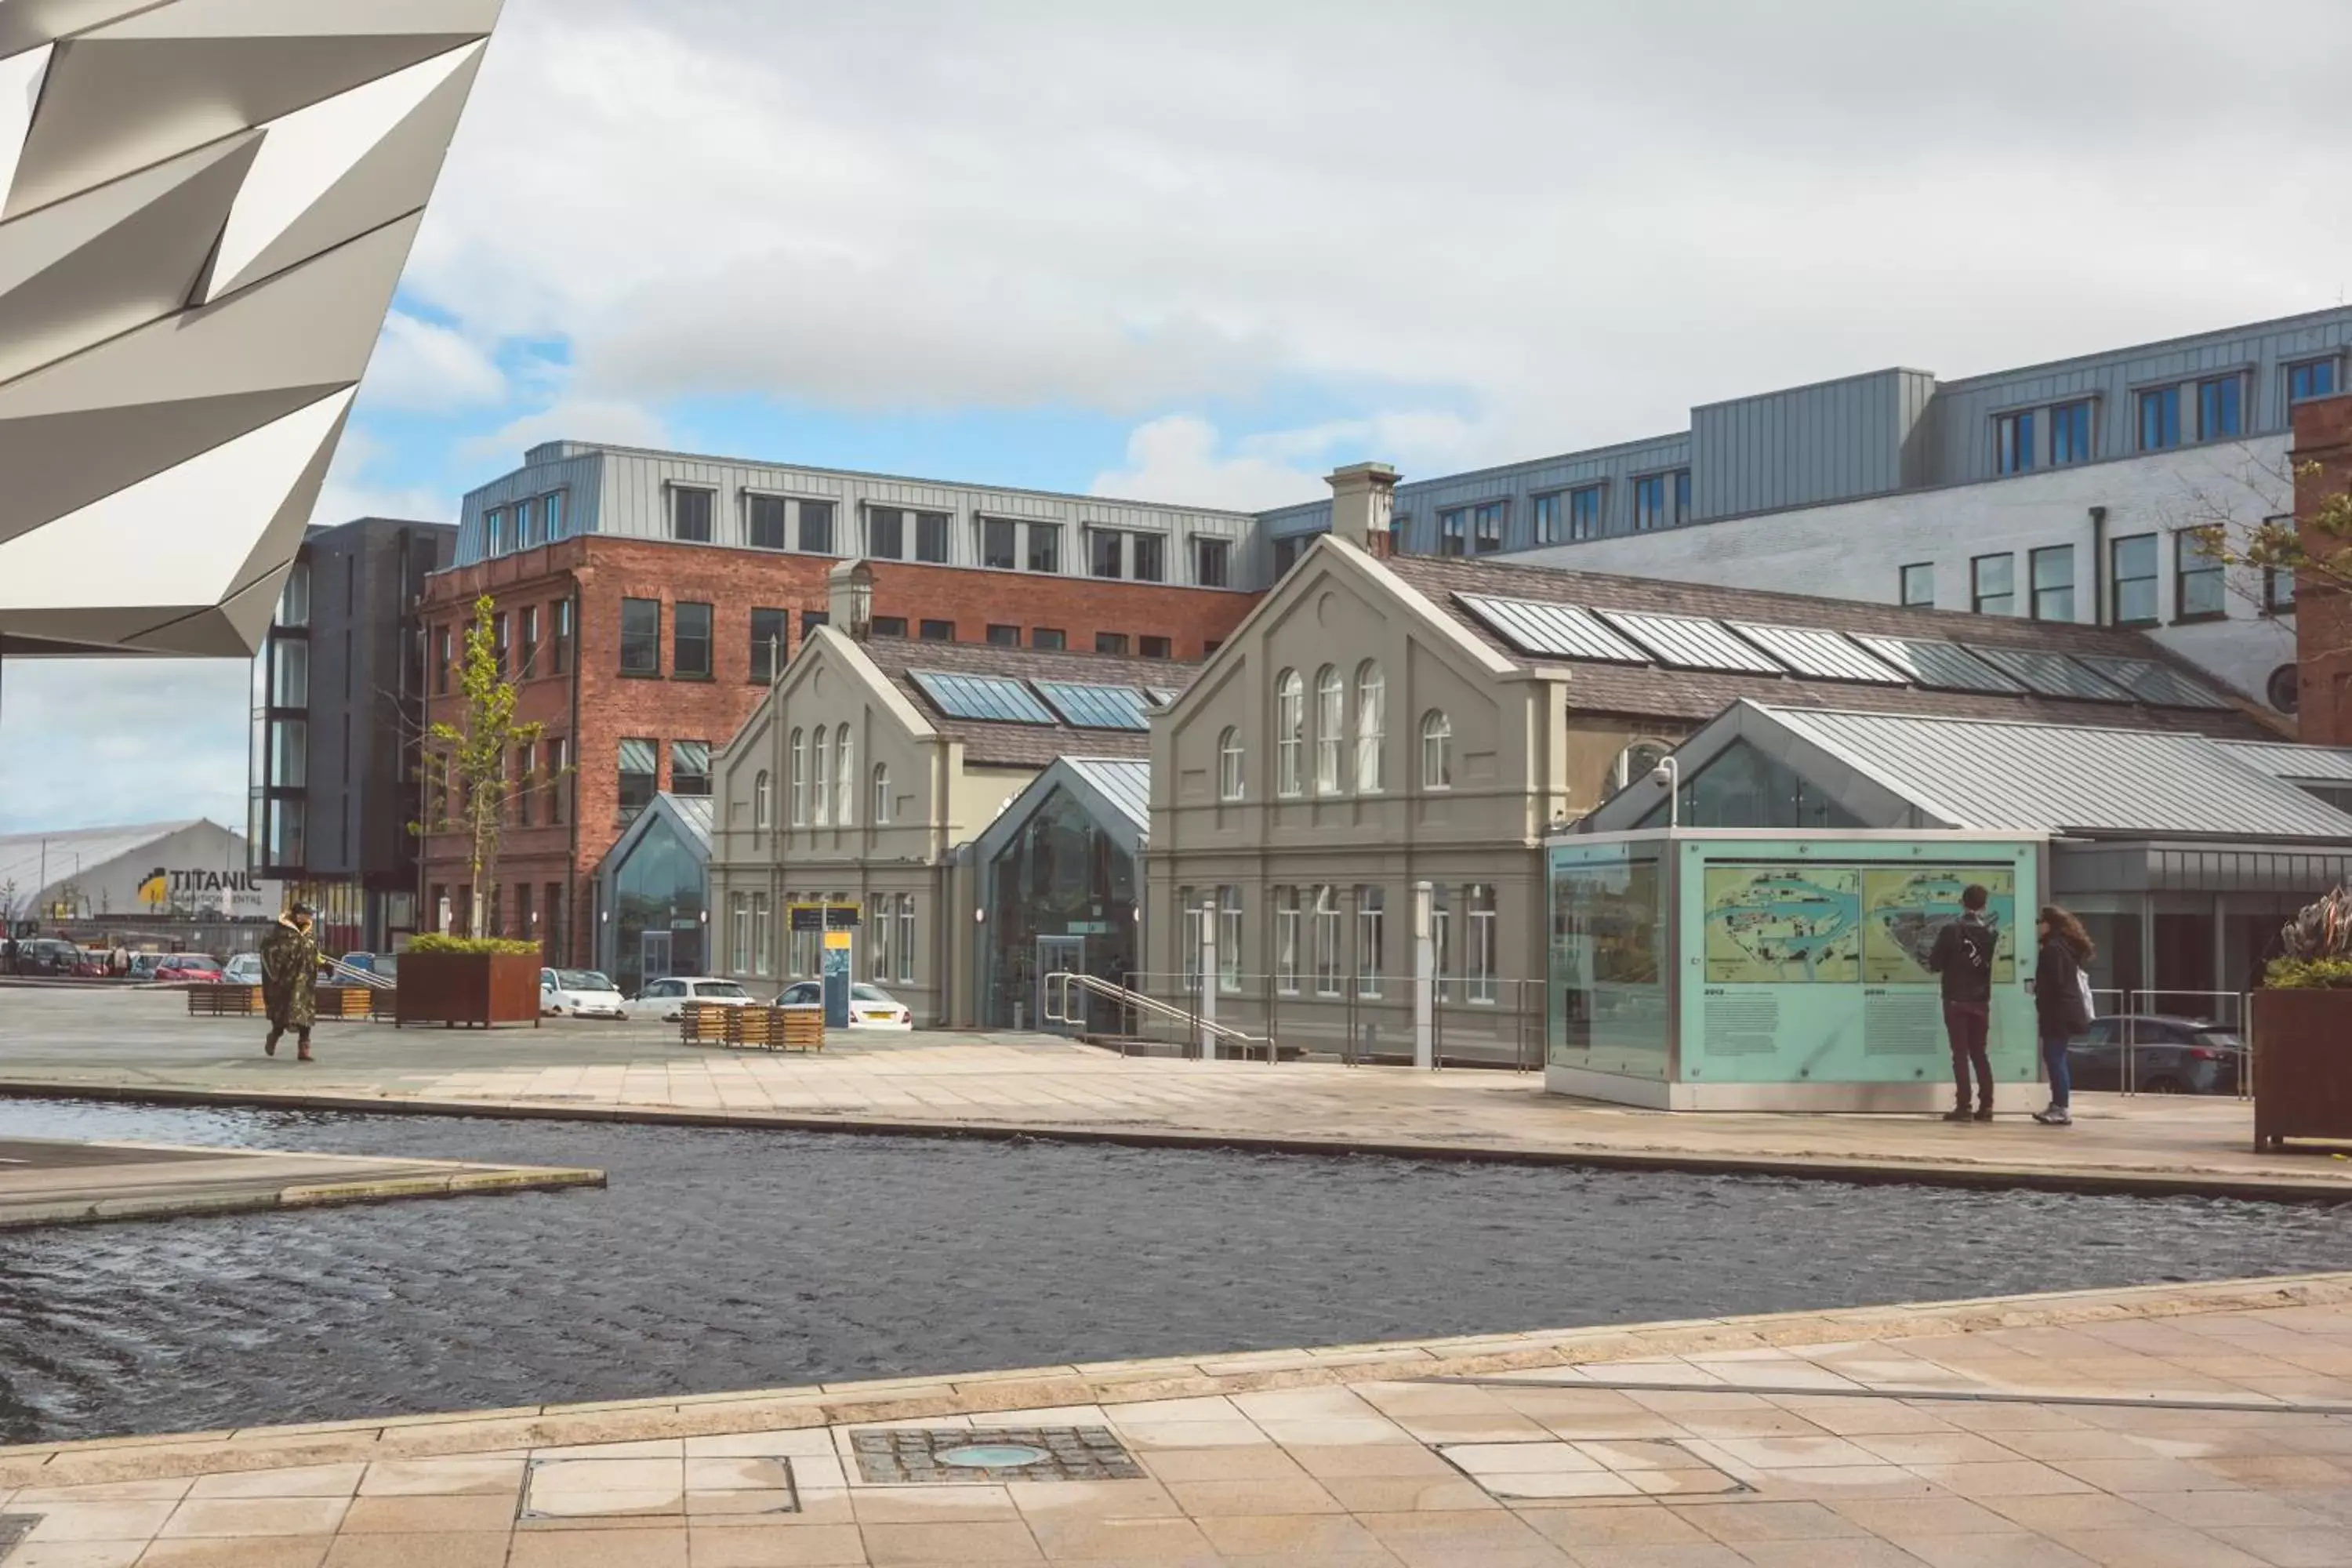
(863, 992)
(720, 988)
(581, 980)
(2225, 1039)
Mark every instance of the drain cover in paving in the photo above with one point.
(13, 1527)
(904, 1456)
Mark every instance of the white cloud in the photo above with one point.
(352, 490)
(425, 368)
(1183, 459)
(98, 743)
(612, 420)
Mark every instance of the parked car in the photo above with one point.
(47, 955)
(581, 993)
(244, 969)
(189, 969)
(2169, 1054)
(870, 1006)
(143, 965)
(671, 995)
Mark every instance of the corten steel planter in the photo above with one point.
(2303, 1065)
(475, 989)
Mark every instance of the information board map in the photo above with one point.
(1777, 925)
(1904, 907)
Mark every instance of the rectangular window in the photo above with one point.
(2200, 588)
(1584, 513)
(444, 649)
(498, 641)
(1327, 941)
(810, 620)
(1682, 496)
(1000, 544)
(1286, 940)
(1195, 925)
(1155, 647)
(1044, 547)
(562, 636)
(1441, 941)
(525, 789)
(938, 631)
(1106, 552)
(2221, 407)
(1649, 502)
(764, 523)
(890, 626)
(2312, 378)
(1372, 917)
(641, 636)
(1286, 553)
(1212, 557)
(556, 947)
(739, 923)
(763, 937)
(1992, 585)
(689, 767)
(1052, 639)
(1005, 636)
(905, 944)
(552, 519)
(690, 652)
(771, 635)
(1546, 511)
(2159, 418)
(1150, 558)
(2132, 568)
(877, 931)
(1229, 941)
(1453, 532)
(529, 641)
(2053, 583)
(494, 530)
(2070, 433)
(1919, 585)
(816, 527)
(1487, 527)
(559, 763)
(886, 533)
(1111, 642)
(931, 537)
(1478, 977)
(689, 514)
(2278, 584)
(639, 762)
(2014, 442)
(526, 525)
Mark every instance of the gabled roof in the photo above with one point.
(1123, 784)
(23, 856)
(1652, 690)
(987, 742)
(691, 816)
(1897, 770)
(1114, 791)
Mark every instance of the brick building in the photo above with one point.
(643, 657)
(2322, 457)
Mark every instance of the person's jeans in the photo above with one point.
(2061, 1074)
(1967, 1023)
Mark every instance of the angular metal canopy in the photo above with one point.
(205, 209)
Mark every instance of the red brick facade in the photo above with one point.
(584, 701)
(2323, 458)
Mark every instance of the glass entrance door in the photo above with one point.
(654, 956)
(1061, 955)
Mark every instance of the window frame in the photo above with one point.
(2205, 569)
(1106, 555)
(1231, 934)
(772, 652)
(1287, 929)
(1147, 558)
(995, 530)
(932, 532)
(1212, 562)
(897, 536)
(2013, 450)
(1547, 515)
(885, 804)
(1232, 773)
(2331, 364)
(1650, 501)
(682, 639)
(1489, 526)
(709, 522)
(1977, 597)
(1437, 751)
(2164, 402)
(2117, 581)
(1326, 934)
(1330, 732)
(764, 529)
(2215, 394)
(2035, 558)
(817, 520)
(1371, 938)
(1372, 728)
(1586, 522)
(1290, 735)
(1902, 585)
(1043, 548)
(645, 640)
(2063, 416)
(1453, 532)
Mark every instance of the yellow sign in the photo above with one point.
(836, 942)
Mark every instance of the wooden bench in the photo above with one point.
(341, 1003)
(752, 1029)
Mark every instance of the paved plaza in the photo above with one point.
(2201, 1426)
(143, 1043)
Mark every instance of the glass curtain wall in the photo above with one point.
(657, 908)
(1062, 875)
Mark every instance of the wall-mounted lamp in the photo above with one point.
(1668, 776)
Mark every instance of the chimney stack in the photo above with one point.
(849, 599)
(1363, 502)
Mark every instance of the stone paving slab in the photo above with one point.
(136, 1045)
(2207, 1426)
(46, 1183)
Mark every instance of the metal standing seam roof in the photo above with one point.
(1125, 782)
(2285, 760)
(1993, 775)
(22, 854)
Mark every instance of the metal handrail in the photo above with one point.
(2144, 1002)
(1095, 986)
(366, 979)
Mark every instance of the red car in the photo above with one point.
(188, 969)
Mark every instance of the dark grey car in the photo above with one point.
(2169, 1054)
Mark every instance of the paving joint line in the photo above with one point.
(1945, 1395)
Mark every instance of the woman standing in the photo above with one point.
(2061, 1003)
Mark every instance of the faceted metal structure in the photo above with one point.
(205, 209)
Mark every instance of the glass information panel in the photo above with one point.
(1606, 1009)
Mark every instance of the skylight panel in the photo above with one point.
(1096, 707)
(2153, 683)
(2051, 674)
(1684, 642)
(989, 697)
(1552, 631)
(1820, 654)
(1940, 665)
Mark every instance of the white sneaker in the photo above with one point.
(2057, 1116)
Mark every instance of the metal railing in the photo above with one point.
(366, 979)
(1368, 1020)
(2233, 1010)
(1061, 985)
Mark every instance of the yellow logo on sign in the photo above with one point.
(837, 940)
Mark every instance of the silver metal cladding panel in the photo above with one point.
(1808, 445)
(2286, 760)
(1126, 784)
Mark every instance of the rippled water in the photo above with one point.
(723, 1260)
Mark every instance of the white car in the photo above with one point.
(870, 1006)
(580, 994)
(245, 969)
(672, 995)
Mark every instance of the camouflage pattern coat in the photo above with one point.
(290, 975)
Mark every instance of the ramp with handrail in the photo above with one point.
(1061, 985)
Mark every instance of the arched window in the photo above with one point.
(1330, 729)
(845, 764)
(1372, 728)
(764, 802)
(883, 804)
(1436, 751)
(1289, 732)
(821, 777)
(800, 778)
(1636, 762)
(1229, 765)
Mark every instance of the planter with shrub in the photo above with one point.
(474, 981)
(2303, 1030)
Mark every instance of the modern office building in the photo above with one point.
(2072, 491)
(338, 711)
(647, 601)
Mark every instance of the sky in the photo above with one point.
(1205, 252)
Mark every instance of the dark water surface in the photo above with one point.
(721, 1260)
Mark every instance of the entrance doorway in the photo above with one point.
(653, 957)
(1061, 955)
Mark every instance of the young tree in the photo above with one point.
(470, 761)
(2312, 551)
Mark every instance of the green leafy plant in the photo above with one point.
(469, 786)
(435, 942)
(2310, 974)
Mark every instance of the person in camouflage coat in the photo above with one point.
(290, 975)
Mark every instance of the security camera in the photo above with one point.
(1663, 776)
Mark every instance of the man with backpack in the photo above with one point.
(1963, 956)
